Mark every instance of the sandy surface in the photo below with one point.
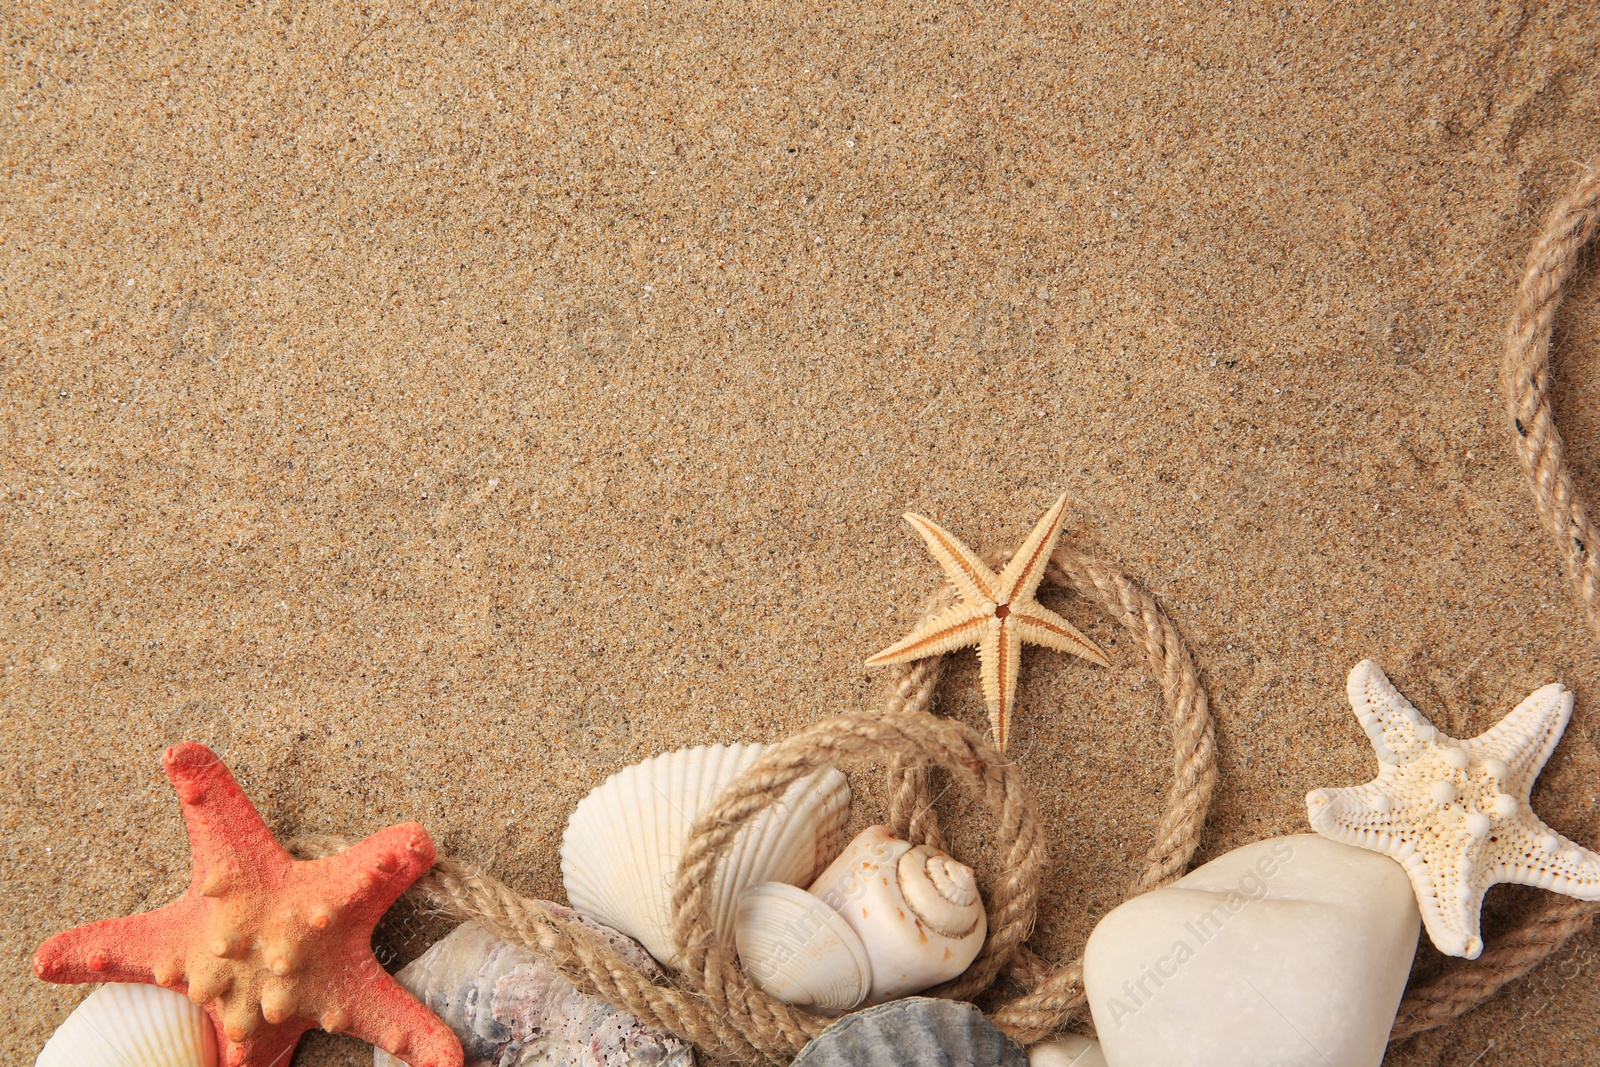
(436, 412)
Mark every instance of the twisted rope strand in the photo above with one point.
(463, 891)
(1054, 996)
(1513, 954)
(1525, 376)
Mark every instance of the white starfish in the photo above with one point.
(1455, 814)
(997, 613)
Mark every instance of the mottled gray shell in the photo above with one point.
(512, 1010)
(913, 1032)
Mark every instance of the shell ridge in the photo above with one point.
(624, 842)
(132, 1025)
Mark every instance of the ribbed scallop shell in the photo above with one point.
(132, 1025)
(623, 842)
(798, 949)
(914, 1032)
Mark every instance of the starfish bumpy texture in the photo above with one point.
(270, 945)
(997, 613)
(1455, 814)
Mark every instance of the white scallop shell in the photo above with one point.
(916, 910)
(133, 1025)
(800, 950)
(623, 842)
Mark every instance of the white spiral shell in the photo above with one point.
(915, 912)
(133, 1025)
(622, 844)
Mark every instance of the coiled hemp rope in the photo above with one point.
(1525, 375)
(714, 1005)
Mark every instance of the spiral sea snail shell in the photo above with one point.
(884, 920)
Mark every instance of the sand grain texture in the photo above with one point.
(435, 409)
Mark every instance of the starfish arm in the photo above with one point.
(1525, 738)
(1355, 815)
(1449, 888)
(958, 626)
(226, 834)
(1531, 853)
(119, 950)
(972, 578)
(1022, 574)
(384, 1014)
(269, 1046)
(1039, 625)
(369, 876)
(1398, 732)
(998, 655)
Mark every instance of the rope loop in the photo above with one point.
(1054, 994)
(1525, 376)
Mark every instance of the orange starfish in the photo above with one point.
(270, 945)
(995, 612)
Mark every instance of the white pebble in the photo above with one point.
(1342, 930)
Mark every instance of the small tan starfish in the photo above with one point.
(997, 613)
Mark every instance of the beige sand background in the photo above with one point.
(436, 408)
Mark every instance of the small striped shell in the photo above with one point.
(800, 950)
(132, 1025)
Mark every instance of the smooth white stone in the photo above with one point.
(1068, 1050)
(1290, 952)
